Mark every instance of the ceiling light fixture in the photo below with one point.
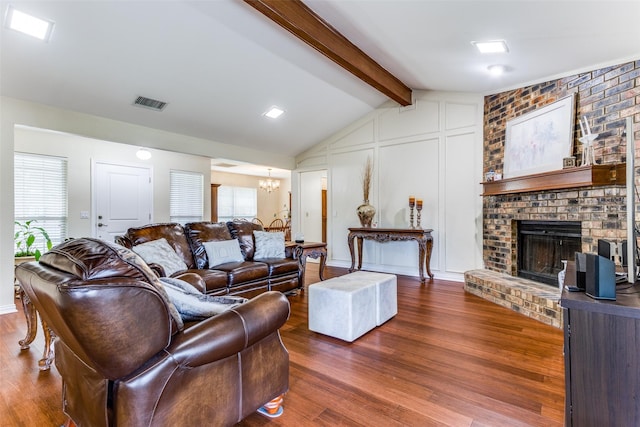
(493, 46)
(496, 70)
(269, 184)
(28, 24)
(274, 112)
(143, 154)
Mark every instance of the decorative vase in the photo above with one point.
(366, 213)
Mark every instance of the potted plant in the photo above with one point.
(26, 236)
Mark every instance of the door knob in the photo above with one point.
(101, 224)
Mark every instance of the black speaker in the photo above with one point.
(581, 271)
(600, 277)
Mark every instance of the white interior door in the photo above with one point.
(122, 198)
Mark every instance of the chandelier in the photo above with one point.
(269, 184)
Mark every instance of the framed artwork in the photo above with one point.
(539, 141)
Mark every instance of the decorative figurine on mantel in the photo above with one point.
(587, 143)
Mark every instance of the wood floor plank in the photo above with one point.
(447, 359)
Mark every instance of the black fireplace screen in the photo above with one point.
(542, 245)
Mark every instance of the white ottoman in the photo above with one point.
(348, 306)
(386, 293)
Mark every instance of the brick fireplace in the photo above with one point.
(606, 97)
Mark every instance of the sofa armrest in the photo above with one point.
(193, 279)
(228, 333)
(158, 269)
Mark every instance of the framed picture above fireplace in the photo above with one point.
(538, 141)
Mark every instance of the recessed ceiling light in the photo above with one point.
(274, 112)
(27, 24)
(496, 70)
(494, 46)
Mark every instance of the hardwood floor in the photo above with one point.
(447, 359)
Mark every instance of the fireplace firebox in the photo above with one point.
(543, 245)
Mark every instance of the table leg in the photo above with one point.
(428, 260)
(353, 256)
(360, 240)
(323, 262)
(421, 257)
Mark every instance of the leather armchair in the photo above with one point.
(126, 360)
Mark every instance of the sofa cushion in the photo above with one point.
(243, 231)
(246, 271)
(204, 231)
(222, 252)
(268, 245)
(161, 253)
(280, 266)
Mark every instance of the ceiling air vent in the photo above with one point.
(152, 104)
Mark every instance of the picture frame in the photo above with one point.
(539, 141)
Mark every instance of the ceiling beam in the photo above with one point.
(297, 18)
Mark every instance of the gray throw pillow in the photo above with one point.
(160, 252)
(223, 251)
(269, 245)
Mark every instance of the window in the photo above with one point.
(40, 194)
(186, 197)
(237, 203)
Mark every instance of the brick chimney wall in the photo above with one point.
(606, 97)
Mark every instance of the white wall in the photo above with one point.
(270, 205)
(432, 150)
(16, 112)
(80, 152)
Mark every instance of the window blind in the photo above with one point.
(40, 194)
(237, 203)
(186, 196)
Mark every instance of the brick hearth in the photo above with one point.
(533, 299)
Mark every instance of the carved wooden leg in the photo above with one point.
(48, 355)
(31, 316)
(273, 408)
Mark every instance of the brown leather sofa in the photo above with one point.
(248, 278)
(126, 360)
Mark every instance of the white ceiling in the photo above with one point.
(220, 64)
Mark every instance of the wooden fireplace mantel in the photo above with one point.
(576, 177)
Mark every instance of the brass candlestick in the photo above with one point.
(412, 203)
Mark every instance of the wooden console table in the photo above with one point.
(423, 237)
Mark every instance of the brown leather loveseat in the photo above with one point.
(245, 278)
(127, 360)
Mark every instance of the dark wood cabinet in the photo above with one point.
(602, 359)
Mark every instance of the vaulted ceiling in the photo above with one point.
(220, 64)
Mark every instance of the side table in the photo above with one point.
(310, 249)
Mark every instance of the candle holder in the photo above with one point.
(419, 209)
(587, 149)
(411, 206)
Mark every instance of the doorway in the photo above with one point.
(313, 205)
